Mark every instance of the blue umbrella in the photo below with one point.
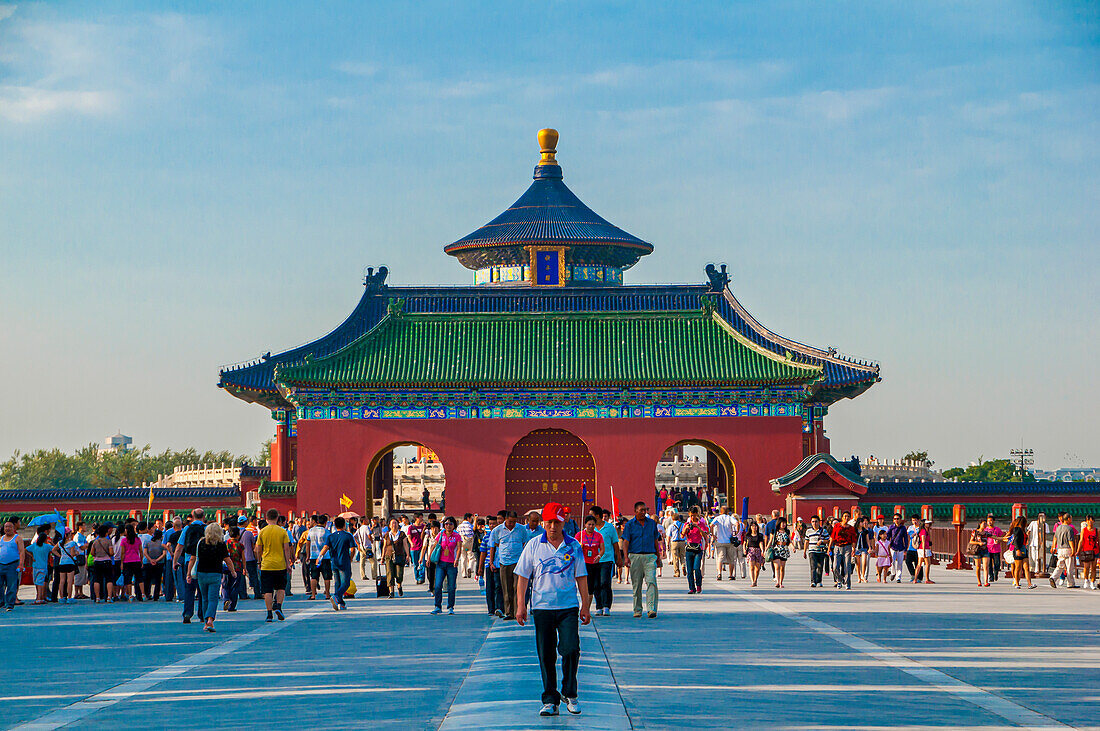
(45, 520)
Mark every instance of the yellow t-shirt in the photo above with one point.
(273, 538)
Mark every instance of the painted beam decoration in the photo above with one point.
(316, 404)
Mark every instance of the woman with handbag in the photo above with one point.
(694, 533)
(445, 552)
(779, 550)
(205, 568)
(395, 552)
(977, 548)
(1017, 537)
(101, 555)
(754, 543)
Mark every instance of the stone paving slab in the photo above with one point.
(732, 657)
(505, 679)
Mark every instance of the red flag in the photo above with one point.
(614, 504)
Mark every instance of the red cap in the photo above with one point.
(555, 511)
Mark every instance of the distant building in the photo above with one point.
(118, 443)
(1068, 474)
(877, 470)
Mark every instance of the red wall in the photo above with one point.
(334, 455)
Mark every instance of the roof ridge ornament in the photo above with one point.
(548, 146)
(718, 279)
(395, 307)
(375, 280)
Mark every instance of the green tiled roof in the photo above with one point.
(269, 488)
(629, 348)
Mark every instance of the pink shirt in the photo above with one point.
(130, 551)
(991, 543)
(448, 546)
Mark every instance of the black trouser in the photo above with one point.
(252, 569)
(557, 632)
(911, 564)
(994, 565)
(492, 591)
(603, 593)
(229, 588)
(817, 566)
(153, 576)
(430, 568)
(132, 574)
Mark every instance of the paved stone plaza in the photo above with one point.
(900, 656)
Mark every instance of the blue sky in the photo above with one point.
(188, 185)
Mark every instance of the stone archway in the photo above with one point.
(384, 473)
(721, 472)
(549, 465)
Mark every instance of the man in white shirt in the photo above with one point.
(737, 535)
(363, 541)
(721, 527)
(1036, 543)
(467, 557)
(553, 564)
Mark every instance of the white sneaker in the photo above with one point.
(548, 709)
(572, 706)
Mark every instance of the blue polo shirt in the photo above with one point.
(610, 538)
(553, 572)
(642, 537)
(509, 543)
(339, 545)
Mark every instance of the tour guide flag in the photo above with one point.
(614, 503)
(150, 499)
(345, 501)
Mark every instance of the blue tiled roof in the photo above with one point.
(548, 212)
(123, 493)
(258, 376)
(809, 463)
(1022, 489)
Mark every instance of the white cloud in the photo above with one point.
(357, 68)
(6, 11)
(27, 104)
(57, 68)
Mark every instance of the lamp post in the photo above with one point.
(1022, 458)
(958, 518)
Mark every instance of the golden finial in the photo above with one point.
(548, 142)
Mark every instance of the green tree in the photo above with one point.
(263, 459)
(921, 456)
(995, 470)
(46, 469)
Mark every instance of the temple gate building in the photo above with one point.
(547, 379)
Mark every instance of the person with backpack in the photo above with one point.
(339, 545)
(188, 544)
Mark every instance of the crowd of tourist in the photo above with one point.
(212, 566)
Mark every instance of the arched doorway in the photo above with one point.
(397, 477)
(704, 471)
(549, 465)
